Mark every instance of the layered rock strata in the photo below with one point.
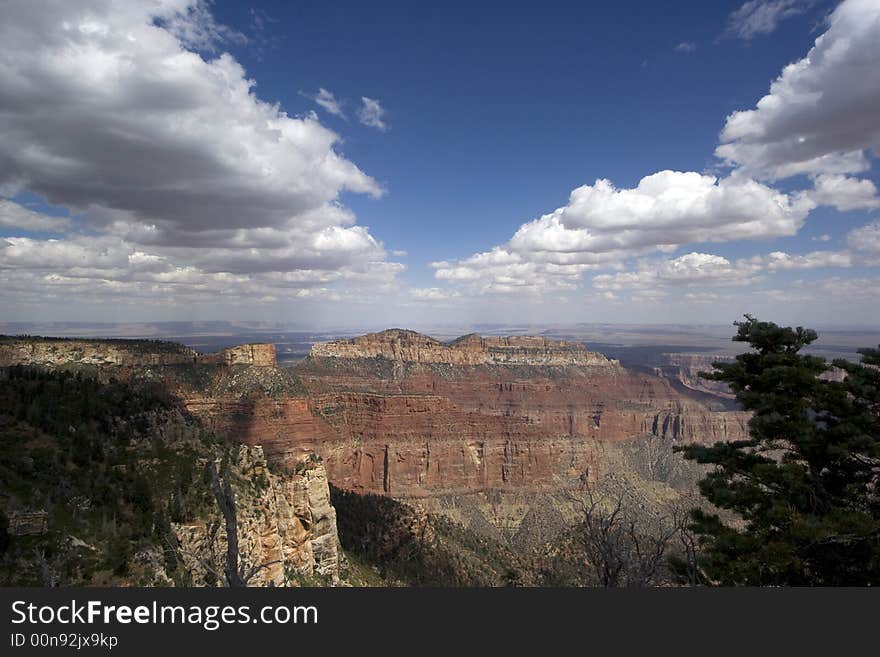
(408, 346)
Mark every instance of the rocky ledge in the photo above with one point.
(408, 346)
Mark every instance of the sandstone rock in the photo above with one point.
(284, 522)
(261, 355)
(402, 345)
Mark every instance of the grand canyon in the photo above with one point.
(492, 433)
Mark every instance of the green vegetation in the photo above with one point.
(110, 465)
(805, 487)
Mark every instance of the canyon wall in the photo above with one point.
(408, 346)
(402, 414)
(415, 426)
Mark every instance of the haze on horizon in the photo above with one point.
(399, 165)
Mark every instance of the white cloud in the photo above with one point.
(171, 160)
(432, 294)
(761, 17)
(829, 291)
(106, 112)
(704, 269)
(702, 297)
(328, 101)
(844, 193)
(825, 237)
(194, 26)
(779, 260)
(601, 226)
(13, 215)
(689, 269)
(110, 269)
(672, 207)
(371, 114)
(501, 271)
(822, 112)
(865, 239)
(686, 47)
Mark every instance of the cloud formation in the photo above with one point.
(701, 269)
(844, 193)
(821, 118)
(865, 239)
(112, 109)
(762, 17)
(328, 101)
(371, 114)
(603, 226)
(14, 215)
(822, 112)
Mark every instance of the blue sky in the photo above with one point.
(138, 125)
(498, 113)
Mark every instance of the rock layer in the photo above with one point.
(403, 414)
(408, 346)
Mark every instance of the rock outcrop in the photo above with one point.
(49, 352)
(409, 346)
(261, 355)
(286, 524)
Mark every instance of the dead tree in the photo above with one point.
(236, 572)
(621, 547)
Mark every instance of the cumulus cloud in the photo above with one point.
(821, 117)
(672, 207)
(686, 47)
(762, 17)
(371, 114)
(822, 112)
(865, 239)
(110, 269)
(502, 271)
(112, 109)
(780, 261)
(689, 269)
(827, 292)
(107, 112)
(432, 294)
(328, 101)
(705, 269)
(601, 226)
(844, 193)
(13, 215)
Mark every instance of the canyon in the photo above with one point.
(501, 425)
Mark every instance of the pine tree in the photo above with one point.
(802, 494)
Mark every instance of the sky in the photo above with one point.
(410, 164)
